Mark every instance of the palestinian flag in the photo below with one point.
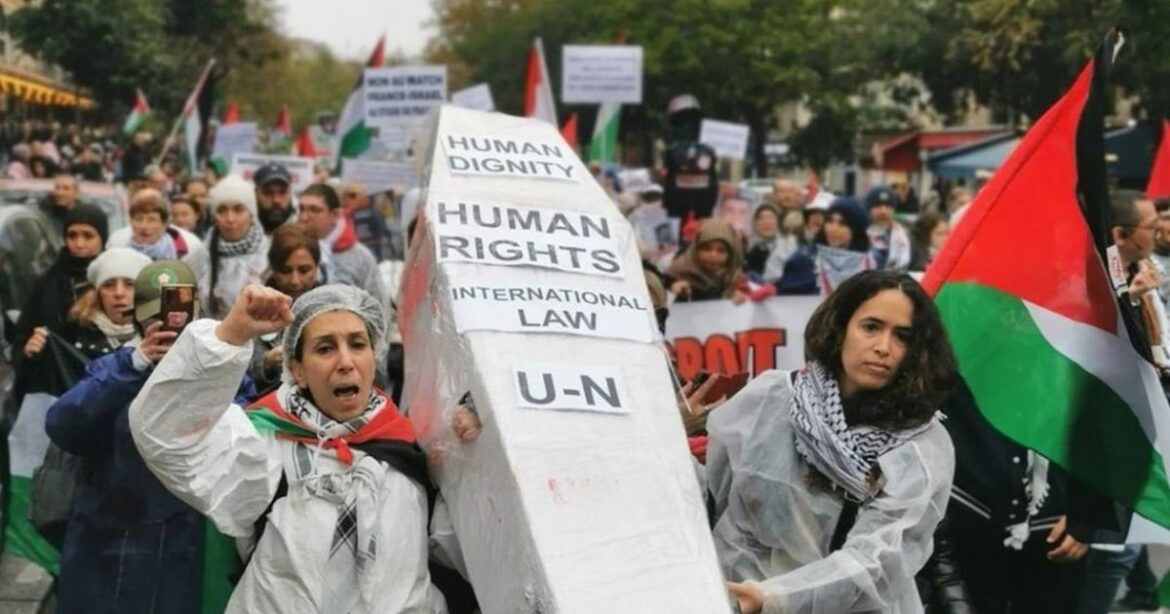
(1159, 183)
(603, 145)
(231, 115)
(538, 95)
(280, 138)
(304, 145)
(137, 115)
(1050, 356)
(569, 131)
(195, 111)
(353, 138)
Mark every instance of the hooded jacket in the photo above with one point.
(707, 285)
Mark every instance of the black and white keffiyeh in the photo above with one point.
(248, 244)
(844, 454)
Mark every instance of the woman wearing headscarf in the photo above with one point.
(236, 253)
(827, 483)
(842, 245)
(712, 266)
(321, 478)
(293, 260)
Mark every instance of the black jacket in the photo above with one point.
(939, 582)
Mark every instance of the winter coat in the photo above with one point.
(774, 525)
(48, 305)
(206, 450)
(131, 546)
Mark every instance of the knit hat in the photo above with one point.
(148, 285)
(233, 189)
(855, 216)
(116, 262)
(881, 195)
(90, 215)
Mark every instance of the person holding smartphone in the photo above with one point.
(130, 545)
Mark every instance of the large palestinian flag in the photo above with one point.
(1050, 356)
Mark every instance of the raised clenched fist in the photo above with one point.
(258, 310)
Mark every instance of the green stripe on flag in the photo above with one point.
(221, 562)
(267, 422)
(20, 538)
(1046, 401)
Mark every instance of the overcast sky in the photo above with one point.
(351, 27)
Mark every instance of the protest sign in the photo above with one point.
(301, 169)
(511, 235)
(478, 97)
(397, 97)
(500, 301)
(492, 156)
(727, 139)
(524, 299)
(378, 176)
(721, 337)
(595, 74)
(231, 139)
(571, 387)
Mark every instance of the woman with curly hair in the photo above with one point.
(827, 483)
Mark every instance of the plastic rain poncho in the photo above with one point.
(773, 524)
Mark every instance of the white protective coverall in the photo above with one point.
(206, 451)
(774, 525)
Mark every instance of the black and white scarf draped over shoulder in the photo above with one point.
(843, 454)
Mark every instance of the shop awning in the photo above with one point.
(38, 92)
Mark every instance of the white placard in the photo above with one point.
(721, 337)
(378, 176)
(494, 156)
(595, 74)
(398, 97)
(301, 169)
(727, 139)
(478, 97)
(231, 139)
(511, 235)
(503, 302)
(570, 387)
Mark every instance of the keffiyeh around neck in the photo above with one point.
(248, 244)
(843, 454)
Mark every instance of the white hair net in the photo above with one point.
(334, 297)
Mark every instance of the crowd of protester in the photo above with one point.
(833, 488)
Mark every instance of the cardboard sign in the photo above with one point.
(595, 74)
(378, 176)
(571, 387)
(397, 97)
(301, 169)
(232, 139)
(727, 139)
(478, 97)
(501, 302)
(503, 157)
(511, 235)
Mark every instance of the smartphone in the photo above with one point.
(699, 379)
(177, 307)
(726, 385)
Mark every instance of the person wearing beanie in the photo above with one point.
(344, 260)
(889, 241)
(273, 186)
(53, 294)
(151, 232)
(843, 248)
(236, 253)
(129, 544)
(101, 320)
(712, 266)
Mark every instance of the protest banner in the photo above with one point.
(721, 337)
(596, 74)
(301, 169)
(727, 139)
(524, 298)
(397, 97)
(478, 97)
(231, 139)
(378, 176)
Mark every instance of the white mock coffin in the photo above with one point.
(524, 297)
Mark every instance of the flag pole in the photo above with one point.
(191, 100)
